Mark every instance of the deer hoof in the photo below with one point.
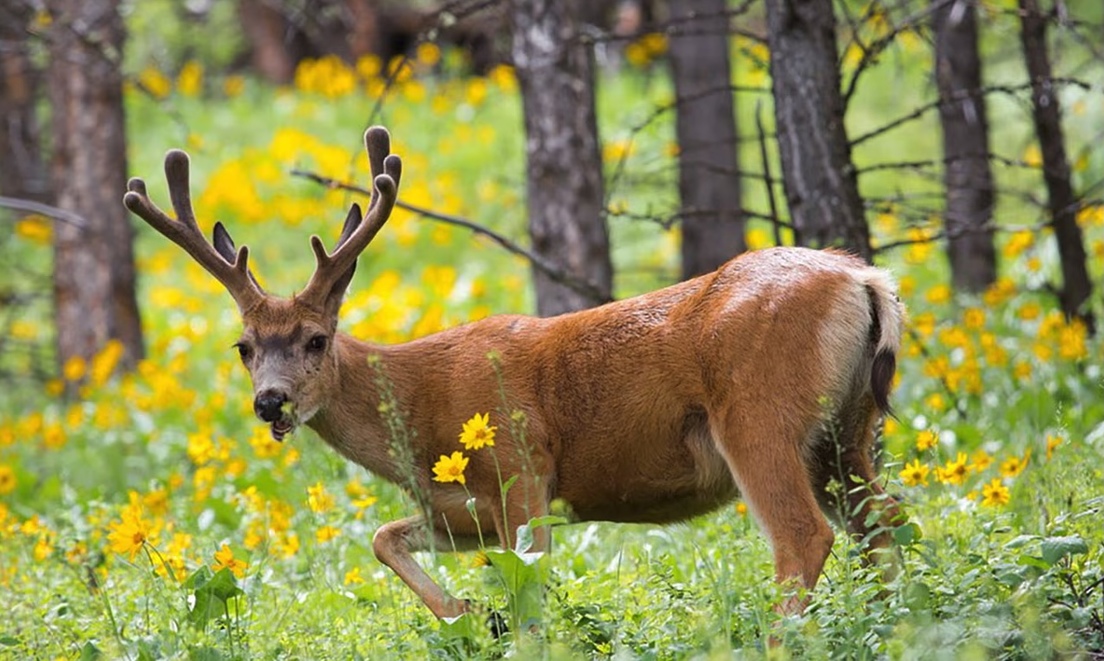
(497, 624)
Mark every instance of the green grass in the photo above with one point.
(1018, 580)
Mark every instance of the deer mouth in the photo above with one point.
(286, 423)
(282, 428)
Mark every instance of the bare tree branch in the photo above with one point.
(50, 211)
(550, 269)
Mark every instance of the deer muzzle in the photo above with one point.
(273, 407)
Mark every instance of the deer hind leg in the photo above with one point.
(766, 463)
(842, 454)
(395, 542)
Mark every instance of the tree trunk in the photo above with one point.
(1062, 204)
(564, 173)
(709, 176)
(94, 296)
(967, 178)
(267, 32)
(23, 172)
(819, 179)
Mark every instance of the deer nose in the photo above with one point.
(268, 405)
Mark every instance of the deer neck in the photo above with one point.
(351, 421)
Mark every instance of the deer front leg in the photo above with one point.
(395, 542)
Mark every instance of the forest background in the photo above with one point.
(144, 512)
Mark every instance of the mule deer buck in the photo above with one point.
(765, 378)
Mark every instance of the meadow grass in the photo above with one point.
(154, 517)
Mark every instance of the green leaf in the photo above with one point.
(524, 540)
(547, 520)
(211, 592)
(1021, 540)
(90, 652)
(509, 483)
(224, 585)
(1031, 561)
(1056, 548)
(917, 595)
(8, 641)
(523, 576)
(463, 627)
(198, 578)
(907, 534)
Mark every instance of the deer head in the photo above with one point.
(286, 343)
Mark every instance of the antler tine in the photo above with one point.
(386, 171)
(377, 142)
(185, 232)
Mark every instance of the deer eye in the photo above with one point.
(244, 350)
(317, 343)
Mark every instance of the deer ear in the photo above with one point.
(352, 221)
(225, 247)
(337, 294)
(220, 238)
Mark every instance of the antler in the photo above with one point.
(356, 235)
(184, 231)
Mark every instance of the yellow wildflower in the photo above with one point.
(190, 80)
(43, 548)
(1017, 243)
(74, 368)
(326, 533)
(450, 468)
(155, 83)
(980, 461)
(288, 545)
(995, 494)
(1030, 311)
(157, 502)
(128, 535)
(478, 432)
(973, 318)
(35, 228)
(7, 479)
(364, 502)
(915, 474)
(924, 323)
(353, 577)
(319, 500)
(936, 402)
(1001, 290)
(953, 472)
(1052, 443)
(926, 440)
(938, 294)
(224, 559)
(1033, 156)
(200, 447)
(1071, 341)
(1013, 466)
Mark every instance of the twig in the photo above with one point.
(56, 213)
(767, 173)
(870, 53)
(959, 95)
(550, 269)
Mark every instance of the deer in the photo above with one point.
(765, 379)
